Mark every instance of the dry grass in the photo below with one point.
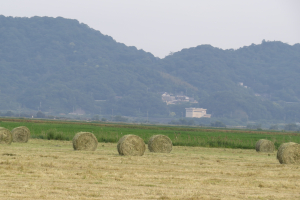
(43, 169)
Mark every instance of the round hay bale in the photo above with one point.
(263, 145)
(289, 153)
(131, 145)
(5, 136)
(160, 144)
(85, 141)
(20, 134)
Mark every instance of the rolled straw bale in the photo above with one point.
(131, 145)
(5, 136)
(85, 141)
(289, 153)
(20, 134)
(263, 145)
(160, 144)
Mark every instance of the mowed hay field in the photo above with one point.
(50, 169)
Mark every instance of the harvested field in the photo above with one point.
(48, 169)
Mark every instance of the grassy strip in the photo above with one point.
(144, 126)
(181, 136)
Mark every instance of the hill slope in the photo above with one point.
(62, 64)
(258, 81)
(59, 65)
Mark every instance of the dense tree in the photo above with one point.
(40, 115)
(218, 124)
(291, 127)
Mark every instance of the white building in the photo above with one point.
(196, 112)
(169, 99)
(178, 99)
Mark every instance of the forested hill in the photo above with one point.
(64, 65)
(269, 74)
(59, 65)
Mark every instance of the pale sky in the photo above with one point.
(164, 26)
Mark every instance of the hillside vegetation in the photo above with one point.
(269, 71)
(59, 65)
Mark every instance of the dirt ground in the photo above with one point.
(43, 169)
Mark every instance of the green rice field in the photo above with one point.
(180, 136)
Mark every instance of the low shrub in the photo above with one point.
(53, 134)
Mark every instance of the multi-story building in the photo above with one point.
(178, 99)
(196, 112)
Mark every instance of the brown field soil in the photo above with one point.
(47, 169)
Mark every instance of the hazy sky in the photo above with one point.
(162, 26)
